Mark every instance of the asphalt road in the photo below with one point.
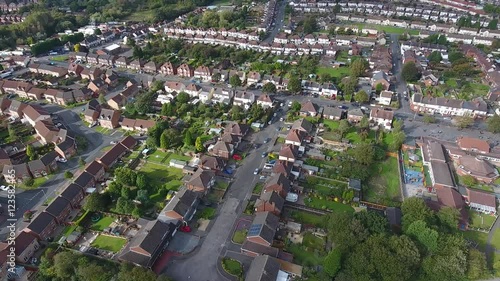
(217, 239)
(279, 19)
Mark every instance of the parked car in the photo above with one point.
(256, 171)
(267, 140)
(264, 154)
(292, 197)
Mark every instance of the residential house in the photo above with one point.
(149, 243)
(288, 153)
(66, 148)
(49, 161)
(265, 101)
(263, 228)
(35, 93)
(311, 87)
(35, 113)
(329, 90)
(222, 149)
(473, 145)
(295, 137)
(16, 109)
(478, 168)
(122, 62)
(181, 208)
(111, 78)
(253, 77)
(136, 65)
(201, 181)
(269, 202)
(302, 125)
(333, 113)
(355, 115)
(385, 97)
(192, 90)
(278, 183)
(95, 169)
(150, 67)
(308, 108)
(446, 106)
(37, 168)
(109, 118)
(91, 115)
(168, 69)
(65, 98)
(382, 117)
(244, 99)
(60, 209)
(283, 167)
(16, 173)
(204, 73)
(435, 159)
(92, 58)
(74, 194)
(75, 69)
(107, 60)
(91, 73)
(213, 163)
(47, 132)
(97, 85)
(184, 70)
(51, 95)
(379, 77)
(234, 128)
(25, 247)
(85, 180)
(42, 226)
(112, 156)
(177, 87)
(265, 268)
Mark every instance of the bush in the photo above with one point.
(207, 213)
(232, 267)
(68, 175)
(29, 182)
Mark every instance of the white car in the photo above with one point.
(256, 171)
(112, 142)
(292, 197)
(62, 160)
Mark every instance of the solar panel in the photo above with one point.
(254, 230)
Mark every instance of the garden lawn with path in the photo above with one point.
(307, 218)
(310, 253)
(109, 243)
(325, 203)
(481, 221)
(383, 187)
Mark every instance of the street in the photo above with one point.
(279, 19)
(218, 238)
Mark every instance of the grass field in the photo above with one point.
(327, 204)
(480, 238)
(60, 58)
(383, 187)
(338, 72)
(109, 243)
(481, 220)
(388, 29)
(160, 156)
(145, 15)
(239, 236)
(161, 174)
(101, 224)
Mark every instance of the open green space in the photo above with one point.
(388, 29)
(164, 157)
(162, 175)
(102, 223)
(482, 221)
(239, 236)
(495, 241)
(324, 186)
(342, 56)
(307, 218)
(383, 187)
(479, 89)
(141, 16)
(328, 204)
(338, 72)
(232, 267)
(479, 237)
(109, 243)
(60, 58)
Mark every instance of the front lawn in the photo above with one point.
(239, 236)
(109, 243)
(321, 203)
(101, 224)
(383, 187)
(232, 267)
(102, 130)
(258, 188)
(481, 221)
(162, 175)
(37, 182)
(60, 58)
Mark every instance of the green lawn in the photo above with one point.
(481, 220)
(221, 184)
(304, 257)
(452, 83)
(313, 242)
(101, 224)
(428, 181)
(102, 130)
(163, 157)
(162, 175)
(37, 182)
(221, 3)
(258, 188)
(383, 187)
(338, 72)
(352, 134)
(320, 203)
(389, 29)
(141, 16)
(69, 229)
(60, 58)
(232, 267)
(239, 236)
(307, 218)
(479, 89)
(343, 56)
(109, 243)
(495, 242)
(480, 238)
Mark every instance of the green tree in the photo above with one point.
(476, 265)
(463, 121)
(493, 124)
(199, 145)
(182, 98)
(415, 209)
(102, 98)
(373, 222)
(144, 102)
(427, 237)
(294, 85)
(97, 31)
(65, 264)
(81, 162)
(429, 119)
(68, 175)
(364, 123)
(164, 144)
(410, 72)
(77, 48)
(141, 181)
(96, 202)
(94, 272)
(358, 67)
(379, 88)
(333, 262)
(125, 176)
(448, 218)
(364, 153)
(325, 78)
(129, 272)
(310, 25)
(435, 57)
(398, 138)
(296, 106)
(493, 24)
(344, 126)
(235, 81)
(31, 152)
(349, 85)
(188, 138)
(361, 97)
(216, 77)
(269, 88)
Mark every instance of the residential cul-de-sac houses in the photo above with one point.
(448, 106)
